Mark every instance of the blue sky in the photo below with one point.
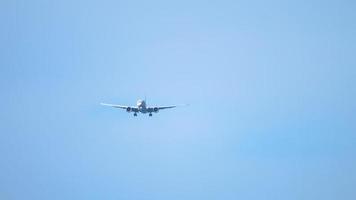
(271, 88)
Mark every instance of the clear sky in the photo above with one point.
(271, 88)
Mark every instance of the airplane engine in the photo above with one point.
(128, 109)
(155, 109)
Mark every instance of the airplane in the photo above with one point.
(140, 107)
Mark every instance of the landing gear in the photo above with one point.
(150, 115)
(135, 114)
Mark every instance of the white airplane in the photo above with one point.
(140, 108)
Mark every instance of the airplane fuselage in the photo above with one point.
(142, 107)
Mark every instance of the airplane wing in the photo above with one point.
(134, 109)
(165, 107)
(157, 108)
(115, 106)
